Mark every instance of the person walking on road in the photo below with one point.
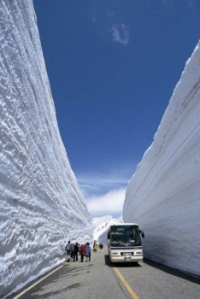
(95, 246)
(68, 251)
(76, 251)
(88, 252)
(73, 252)
(82, 251)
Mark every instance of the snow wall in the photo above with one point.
(41, 206)
(163, 195)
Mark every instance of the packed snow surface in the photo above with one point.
(41, 206)
(101, 226)
(163, 196)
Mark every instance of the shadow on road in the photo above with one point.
(125, 264)
(53, 293)
(173, 271)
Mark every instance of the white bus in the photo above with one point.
(124, 243)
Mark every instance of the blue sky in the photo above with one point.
(112, 66)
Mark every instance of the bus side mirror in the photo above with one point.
(108, 235)
(142, 234)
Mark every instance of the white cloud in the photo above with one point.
(93, 184)
(111, 202)
(104, 191)
(120, 34)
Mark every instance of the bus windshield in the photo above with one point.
(127, 235)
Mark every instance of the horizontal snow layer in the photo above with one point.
(163, 195)
(41, 206)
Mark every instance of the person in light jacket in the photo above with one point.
(68, 251)
(95, 246)
(88, 252)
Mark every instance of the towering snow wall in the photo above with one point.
(163, 195)
(41, 206)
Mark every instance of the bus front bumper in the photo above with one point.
(126, 256)
(125, 259)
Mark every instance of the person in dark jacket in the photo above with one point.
(101, 246)
(73, 252)
(76, 251)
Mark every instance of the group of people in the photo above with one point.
(73, 250)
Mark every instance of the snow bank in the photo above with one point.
(163, 195)
(41, 206)
(101, 226)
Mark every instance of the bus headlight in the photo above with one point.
(114, 253)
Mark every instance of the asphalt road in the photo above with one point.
(98, 279)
